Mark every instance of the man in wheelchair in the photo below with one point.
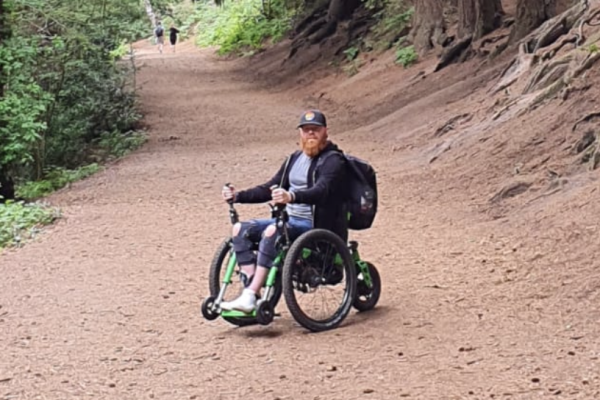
(313, 188)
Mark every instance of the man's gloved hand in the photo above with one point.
(228, 193)
(281, 196)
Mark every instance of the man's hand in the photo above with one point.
(228, 193)
(281, 196)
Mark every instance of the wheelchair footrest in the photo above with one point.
(238, 314)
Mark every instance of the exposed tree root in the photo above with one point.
(547, 74)
(589, 137)
(554, 28)
(453, 53)
(585, 119)
(517, 68)
(537, 53)
(511, 190)
(321, 27)
(591, 151)
(448, 126)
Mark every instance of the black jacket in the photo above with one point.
(326, 189)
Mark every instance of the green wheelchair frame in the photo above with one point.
(362, 291)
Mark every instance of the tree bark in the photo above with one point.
(477, 18)
(340, 10)
(428, 25)
(530, 15)
(150, 12)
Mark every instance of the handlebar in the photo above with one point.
(278, 213)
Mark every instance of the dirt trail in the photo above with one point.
(106, 303)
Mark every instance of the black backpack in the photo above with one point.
(362, 193)
(159, 31)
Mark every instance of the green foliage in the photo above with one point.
(353, 67)
(242, 24)
(397, 22)
(117, 144)
(593, 48)
(393, 20)
(64, 86)
(351, 53)
(374, 4)
(55, 179)
(20, 221)
(23, 105)
(406, 56)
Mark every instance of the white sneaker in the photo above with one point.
(245, 303)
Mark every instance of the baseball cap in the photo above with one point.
(313, 117)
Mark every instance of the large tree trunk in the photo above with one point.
(150, 12)
(477, 18)
(340, 10)
(317, 27)
(530, 15)
(428, 25)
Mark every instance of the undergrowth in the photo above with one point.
(242, 26)
(20, 221)
(393, 22)
(54, 179)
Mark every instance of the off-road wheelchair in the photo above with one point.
(320, 276)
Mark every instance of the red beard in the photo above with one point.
(312, 147)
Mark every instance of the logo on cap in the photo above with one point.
(309, 116)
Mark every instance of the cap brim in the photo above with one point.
(310, 123)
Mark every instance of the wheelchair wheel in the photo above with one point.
(319, 280)
(207, 311)
(264, 313)
(217, 271)
(366, 298)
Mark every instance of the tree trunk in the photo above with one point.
(340, 10)
(477, 18)
(428, 25)
(150, 13)
(530, 15)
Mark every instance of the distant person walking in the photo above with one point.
(173, 36)
(159, 32)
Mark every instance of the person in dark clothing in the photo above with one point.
(311, 185)
(173, 32)
(159, 32)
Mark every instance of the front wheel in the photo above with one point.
(319, 280)
(208, 309)
(216, 276)
(264, 313)
(367, 297)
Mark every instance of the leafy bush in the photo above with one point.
(23, 105)
(117, 144)
(63, 86)
(241, 24)
(20, 221)
(406, 56)
(393, 19)
(55, 179)
(351, 53)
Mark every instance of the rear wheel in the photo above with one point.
(319, 280)
(218, 268)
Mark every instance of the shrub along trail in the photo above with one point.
(106, 303)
